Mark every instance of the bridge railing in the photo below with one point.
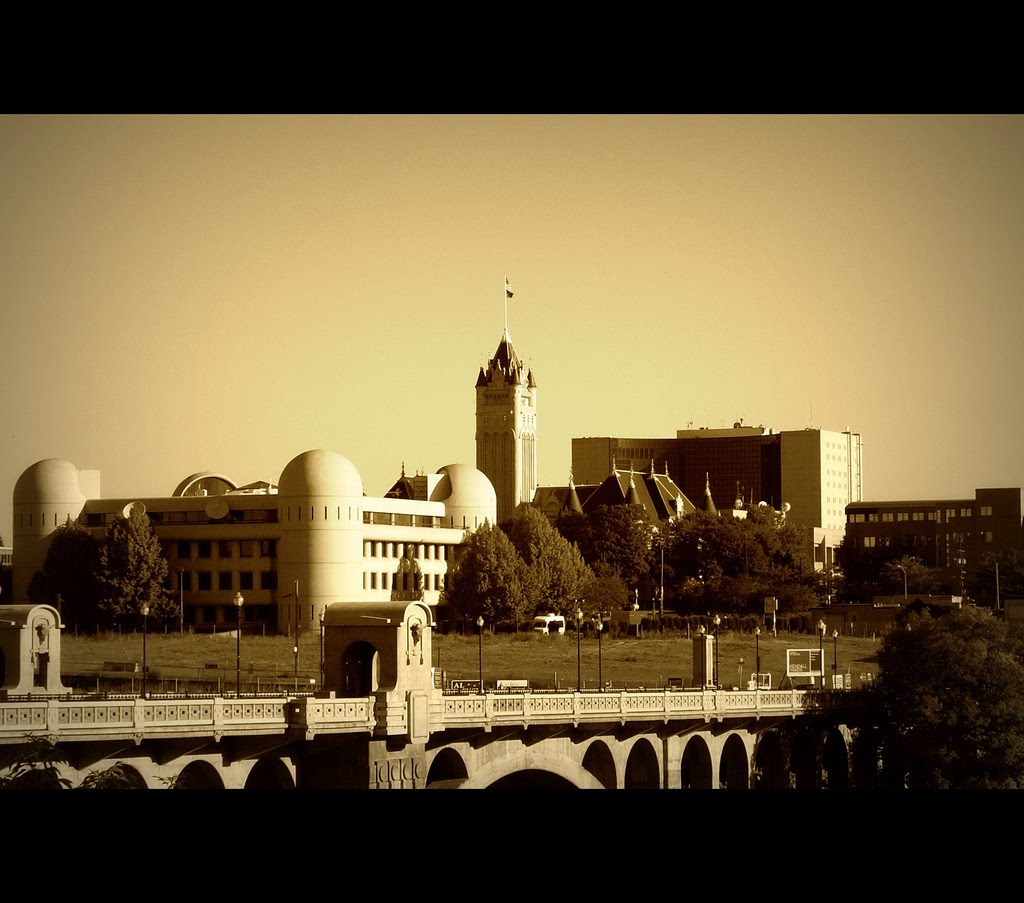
(624, 705)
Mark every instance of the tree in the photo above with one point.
(981, 581)
(489, 579)
(619, 536)
(604, 591)
(133, 569)
(951, 690)
(555, 569)
(920, 579)
(68, 578)
(731, 564)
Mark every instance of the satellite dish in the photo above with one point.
(217, 508)
(133, 506)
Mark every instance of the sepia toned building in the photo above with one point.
(948, 534)
(817, 473)
(290, 547)
(506, 427)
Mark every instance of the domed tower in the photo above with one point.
(468, 496)
(45, 496)
(320, 514)
(506, 427)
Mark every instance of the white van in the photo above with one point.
(550, 623)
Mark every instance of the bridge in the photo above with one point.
(382, 723)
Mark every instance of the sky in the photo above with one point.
(183, 293)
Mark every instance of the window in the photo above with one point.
(988, 536)
(887, 518)
(918, 515)
(268, 548)
(185, 580)
(245, 548)
(205, 579)
(902, 516)
(184, 550)
(268, 580)
(857, 518)
(985, 511)
(965, 512)
(245, 580)
(224, 549)
(950, 513)
(224, 580)
(872, 518)
(869, 542)
(204, 548)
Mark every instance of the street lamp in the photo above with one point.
(599, 627)
(145, 619)
(579, 619)
(757, 657)
(322, 613)
(821, 659)
(717, 621)
(480, 641)
(239, 602)
(900, 566)
(835, 656)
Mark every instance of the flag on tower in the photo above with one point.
(508, 288)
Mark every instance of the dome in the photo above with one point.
(463, 486)
(320, 472)
(52, 480)
(205, 481)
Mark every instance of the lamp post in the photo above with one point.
(599, 627)
(480, 642)
(181, 602)
(295, 650)
(239, 601)
(145, 619)
(757, 657)
(835, 657)
(821, 659)
(579, 619)
(322, 650)
(717, 622)
(900, 566)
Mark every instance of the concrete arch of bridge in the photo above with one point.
(516, 759)
(771, 768)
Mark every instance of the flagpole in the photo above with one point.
(504, 292)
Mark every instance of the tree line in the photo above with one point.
(107, 582)
(613, 557)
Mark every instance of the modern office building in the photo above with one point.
(506, 427)
(948, 534)
(816, 472)
(290, 547)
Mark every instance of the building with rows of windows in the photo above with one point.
(290, 548)
(948, 534)
(817, 473)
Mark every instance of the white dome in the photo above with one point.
(49, 481)
(320, 472)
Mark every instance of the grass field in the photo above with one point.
(177, 661)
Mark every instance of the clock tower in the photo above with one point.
(506, 427)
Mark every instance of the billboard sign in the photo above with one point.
(803, 663)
